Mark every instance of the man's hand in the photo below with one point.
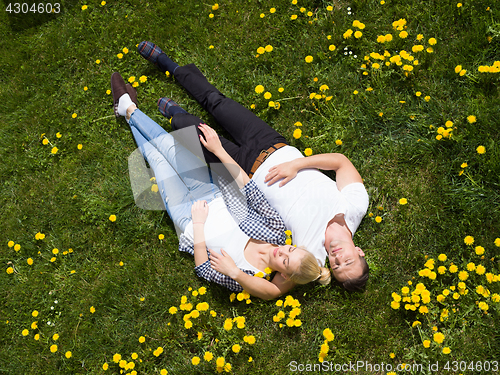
(286, 171)
(211, 141)
(223, 264)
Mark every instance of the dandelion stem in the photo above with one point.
(296, 97)
(102, 118)
(319, 136)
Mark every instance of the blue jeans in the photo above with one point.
(182, 177)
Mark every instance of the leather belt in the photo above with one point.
(264, 154)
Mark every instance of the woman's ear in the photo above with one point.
(284, 276)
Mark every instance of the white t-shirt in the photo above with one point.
(222, 232)
(309, 201)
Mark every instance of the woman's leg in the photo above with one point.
(182, 178)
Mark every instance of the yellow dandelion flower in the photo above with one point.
(195, 361)
(438, 337)
(328, 334)
(469, 240)
(481, 149)
(112, 218)
(308, 59)
(463, 275)
(208, 356)
(471, 119)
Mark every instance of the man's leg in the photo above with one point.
(249, 132)
(181, 119)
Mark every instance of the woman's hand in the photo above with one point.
(286, 171)
(199, 212)
(211, 141)
(223, 263)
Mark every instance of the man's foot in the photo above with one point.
(149, 51)
(153, 53)
(168, 107)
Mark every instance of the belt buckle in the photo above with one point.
(267, 153)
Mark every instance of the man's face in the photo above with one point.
(345, 260)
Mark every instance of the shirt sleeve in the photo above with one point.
(206, 271)
(356, 196)
(253, 213)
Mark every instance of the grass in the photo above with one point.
(389, 133)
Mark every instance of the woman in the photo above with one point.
(244, 232)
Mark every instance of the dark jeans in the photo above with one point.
(251, 135)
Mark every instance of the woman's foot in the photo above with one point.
(124, 96)
(168, 107)
(154, 54)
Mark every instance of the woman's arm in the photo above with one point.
(255, 286)
(212, 143)
(199, 213)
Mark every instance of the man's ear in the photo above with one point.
(361, 253)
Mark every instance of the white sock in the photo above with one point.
(123, 103)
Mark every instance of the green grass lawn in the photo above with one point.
(410, 95)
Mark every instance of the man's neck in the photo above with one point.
(337, 230)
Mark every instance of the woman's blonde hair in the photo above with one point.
(309, 270)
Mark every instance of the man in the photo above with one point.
(322, 214)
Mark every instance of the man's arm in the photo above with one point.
(344, 169)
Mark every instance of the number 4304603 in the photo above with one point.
(35, 8)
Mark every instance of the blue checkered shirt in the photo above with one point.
(255, 217)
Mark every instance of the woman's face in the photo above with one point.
(286, 259)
